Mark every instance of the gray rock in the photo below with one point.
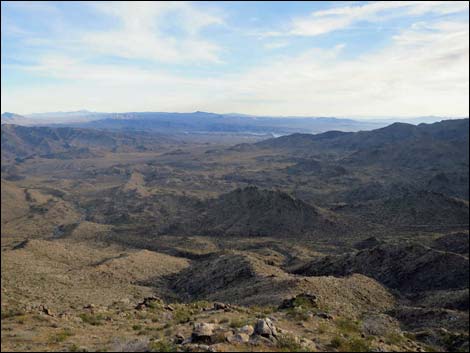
(239, 338)
(265, 328)
(247, 329)
(202, 332)
(220, 306)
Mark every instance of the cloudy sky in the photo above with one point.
(279, 58)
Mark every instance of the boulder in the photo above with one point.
(247, 329)
(228, 335)
(220, 306)
(239, 338)
(265, 328)
(179, 338)
(202, 332)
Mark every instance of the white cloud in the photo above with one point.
(337, 18)
(424, 72)
(140, 33)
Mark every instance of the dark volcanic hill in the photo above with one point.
(407, 267)
(256, 212)
(446, 130)
(403, 145)
(453, 242)
(413, 209)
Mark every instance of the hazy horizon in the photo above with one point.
(39, 115)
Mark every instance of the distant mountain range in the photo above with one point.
(199, 122)
(22, 142)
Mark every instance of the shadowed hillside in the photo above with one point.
(255, 212)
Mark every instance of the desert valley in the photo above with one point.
(139, 241)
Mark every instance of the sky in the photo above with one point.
(348, 59)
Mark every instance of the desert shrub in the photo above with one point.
(200, 304)
(302, 302)
(350, 345)
(394, 338)
(322, 327)
(347, 326)
(298, 313)
(75, 348)
(8, 313)
(155, 305)
(263, 310)
(336, 342)
(155, 319)
(288, 343)
(41, 318)
(161, 346)
(137, 327)
(182, 315)
(357, 345)
(138, 345)
(61, 336)
(238, 322)
(91, 319)
(224, 320)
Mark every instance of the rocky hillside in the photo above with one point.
(401, 145)
(245, 279)
(413, 209)
(256, 212)
(406, 267)
(453, 242)
(21, 141)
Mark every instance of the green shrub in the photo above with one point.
(357, 345)
(75, 348)
(182, 315)
(336, 342)
(347, 325)
(61, 336)
(238, 322)
(288, 343)
(224, 320)
(394, 338)
(298, 313)
(161, 346)
(350, 345)
(8, 313)
(91, 319)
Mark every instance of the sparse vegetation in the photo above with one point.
(288, 343)
(61, 336)
(347, 326)
(10, 313)
(238, 322)
(129, 248)
(161, 346)
(182, 315)
(92, 319)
